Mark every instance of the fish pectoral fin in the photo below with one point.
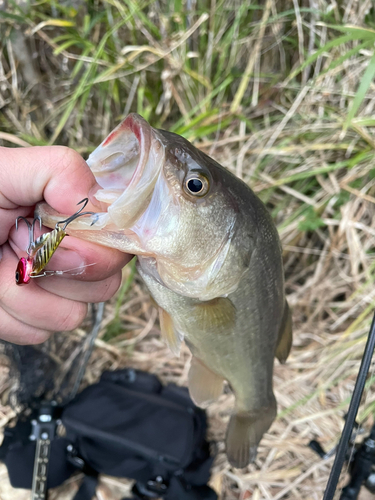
(172, 337)
(204, 385)
(245, 430)
(285, 339)
(215, 314)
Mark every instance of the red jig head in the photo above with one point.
(25, 266)
(23, 271)
(40, 251)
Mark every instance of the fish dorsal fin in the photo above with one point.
(204, 385)
(169, 333)
(285, 339)
(216, 314)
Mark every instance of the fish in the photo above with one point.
(210, 255)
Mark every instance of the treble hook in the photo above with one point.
(41, 250)
(30, 227)
(77, 214)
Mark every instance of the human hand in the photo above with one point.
(61, 177)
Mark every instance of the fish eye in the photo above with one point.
(196, 184)
(17, 277)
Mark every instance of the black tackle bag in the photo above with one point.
(127, 425)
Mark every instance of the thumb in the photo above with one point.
(56, 174)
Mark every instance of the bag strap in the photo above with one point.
(177, 489)
(91, 477)
(87, 489)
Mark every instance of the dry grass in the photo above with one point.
(298, 128)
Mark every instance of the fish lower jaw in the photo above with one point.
(105, 197)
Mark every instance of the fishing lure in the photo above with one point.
(40, 251)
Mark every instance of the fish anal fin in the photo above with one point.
(153, 302)
(215, 314)
(245, 430)
(204, 385)
(169, 333)
(285, 339)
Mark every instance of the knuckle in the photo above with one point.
(63, 158)
(73, 317)
(36, 337)
(109, 288)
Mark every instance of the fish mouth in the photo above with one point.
(126, 166)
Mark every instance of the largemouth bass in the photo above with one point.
(210, 256)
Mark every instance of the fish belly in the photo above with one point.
(233, 339)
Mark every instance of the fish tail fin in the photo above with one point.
(245, 430)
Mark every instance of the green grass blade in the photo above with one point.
(361, 93)
(14, 17)
(330, 45)
(182, 121)
(82, 86)
(355, 50)
(357, 33)
(63, 47)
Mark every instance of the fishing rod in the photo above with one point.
(368, 452)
